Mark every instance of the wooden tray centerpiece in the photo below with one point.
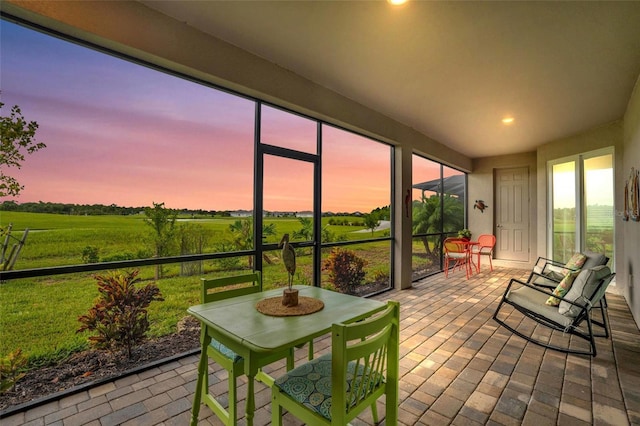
(274, 307)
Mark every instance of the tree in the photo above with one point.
(306, 232)
(429, 218)
(242, 231)
(192, 238)
(163, 222)
(17, 141)
(371, 221)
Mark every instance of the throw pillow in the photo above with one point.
(575, 263)
(583, 289)
(594, 259)
(562, 288)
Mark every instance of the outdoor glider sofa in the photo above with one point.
(567, 309)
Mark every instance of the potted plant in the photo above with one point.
(465, 234)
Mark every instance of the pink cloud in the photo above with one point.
(120, 133)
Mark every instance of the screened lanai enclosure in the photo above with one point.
(149, 170)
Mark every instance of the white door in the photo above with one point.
(512, 214)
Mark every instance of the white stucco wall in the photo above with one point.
(609, 135)
(628, 264)
(482, 187)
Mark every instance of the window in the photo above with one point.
(438, 210)
(120, 137)
(123, 136)
(582, 205)
(281, 128)
(356, 171)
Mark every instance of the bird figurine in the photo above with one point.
(289, 258)
(480, 205)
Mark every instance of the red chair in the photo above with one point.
(485, 246)
(457, 251)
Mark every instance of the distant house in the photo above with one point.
(241, 213)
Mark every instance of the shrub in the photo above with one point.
(119, 317)
(11, 368)
(381, 275)
(341, 237)
(345, 269)
(90, 254)
(227, 263)
(118, 257)
(327, 235)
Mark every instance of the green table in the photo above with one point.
(238, 325)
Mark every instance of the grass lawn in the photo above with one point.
(40, 315)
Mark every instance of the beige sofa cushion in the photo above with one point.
(534, 300)
(594, 259)
(582, 289)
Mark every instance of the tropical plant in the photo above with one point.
(242, 236)
(328, 236)
(428, 219)
(119, 316)
(345, 269)
(306, 232)
(11, 369)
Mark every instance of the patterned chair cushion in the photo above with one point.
(310, 384)
(575, 263)
(225, 350)
(562, 288)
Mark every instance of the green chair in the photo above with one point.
(334, 388)
(219, 289)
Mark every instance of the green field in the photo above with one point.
(598, 234)
(39, 315)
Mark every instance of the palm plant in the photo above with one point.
(430, 218)
(242, 232)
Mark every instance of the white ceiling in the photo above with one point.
(451, 70)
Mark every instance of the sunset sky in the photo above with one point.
(121, 133)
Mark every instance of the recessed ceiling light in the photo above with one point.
(397, 2)
(507, 120)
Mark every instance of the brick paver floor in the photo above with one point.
(457, 367)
